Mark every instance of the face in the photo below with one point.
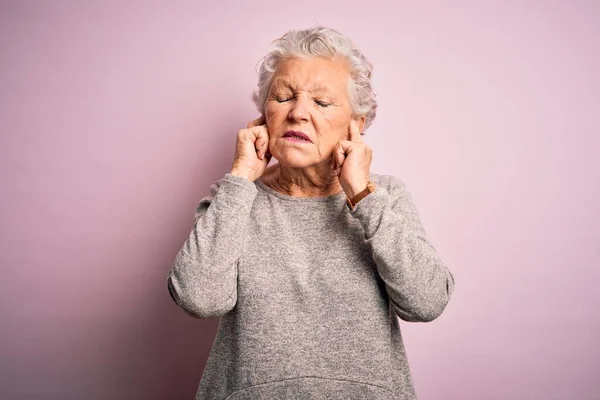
(308, 96)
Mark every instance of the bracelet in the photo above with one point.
(369, 189)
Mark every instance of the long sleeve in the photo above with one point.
(418, 283)
(203, 278)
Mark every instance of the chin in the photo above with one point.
(292, 161)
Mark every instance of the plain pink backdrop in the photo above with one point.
(115, 117)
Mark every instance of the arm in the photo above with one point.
(418, 283)
(203, 278)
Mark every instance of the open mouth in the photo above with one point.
(296, 139)
(295, 136)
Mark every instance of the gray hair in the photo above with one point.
(321, 42)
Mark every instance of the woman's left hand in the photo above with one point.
(351, 162)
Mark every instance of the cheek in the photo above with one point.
(333, 117)
(268, 111)
(333, 126)
(274, 108)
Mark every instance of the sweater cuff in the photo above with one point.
(370, 210)
(240, 181)
(231, 191)
(237, 189)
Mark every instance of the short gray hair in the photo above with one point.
(321, 42)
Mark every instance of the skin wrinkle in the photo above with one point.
(304, 169)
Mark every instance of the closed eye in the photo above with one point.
(318, 102)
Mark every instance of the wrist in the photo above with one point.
(368, 189)
(242, 174)
(356, 187)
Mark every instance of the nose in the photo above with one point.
(299, 112)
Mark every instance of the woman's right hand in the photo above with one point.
(252, 150)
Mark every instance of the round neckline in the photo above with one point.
(283, 196)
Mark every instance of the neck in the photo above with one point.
(314, 181)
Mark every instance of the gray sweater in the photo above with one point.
(308, 291)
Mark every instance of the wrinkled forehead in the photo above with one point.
(285, 82)
(317, 76)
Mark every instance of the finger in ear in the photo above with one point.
(339, 155)
(259, 143)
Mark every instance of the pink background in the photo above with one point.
(115, 117)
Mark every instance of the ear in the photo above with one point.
(360, 121)
(361, 124)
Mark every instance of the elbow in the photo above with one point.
(422, 313)
(200, 307)
(431, 313)
(206, 312)
(425, 308)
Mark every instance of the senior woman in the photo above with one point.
(309, 261)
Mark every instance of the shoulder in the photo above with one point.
(396, 189)
(388, 182)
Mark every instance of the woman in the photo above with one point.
(309, 261)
